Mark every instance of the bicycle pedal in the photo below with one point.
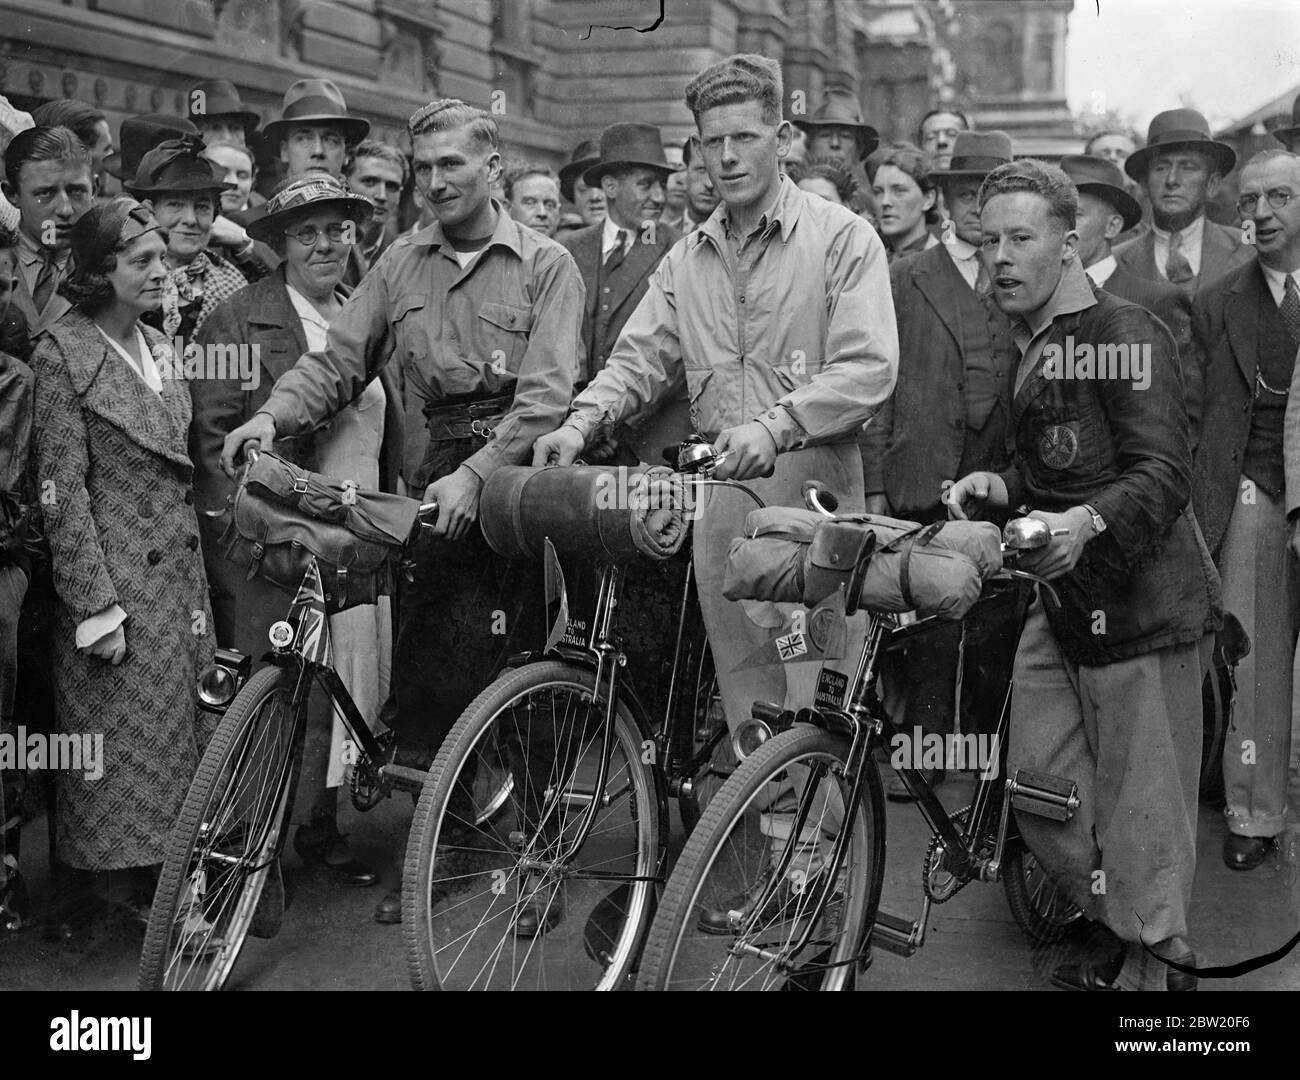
(1043, 795)
(895, 934)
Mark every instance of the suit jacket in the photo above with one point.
(1227, 321)
(21, 299)
(915, 441)
(1173, 307)
(1122, 448)
(669, 421)
(1221, 252)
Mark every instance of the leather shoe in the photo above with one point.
(541, 913)
(785, 904)
(1245, 852)
(1089, 975)
(1181, 980)
(322, 846)
(389, 910)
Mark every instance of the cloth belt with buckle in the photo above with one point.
(466, 420)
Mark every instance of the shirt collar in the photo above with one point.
(609, 234)
(1101, 270)
(506, 234)
(959, 249)
(1187, 232)
(30, 253)
(783, 211)
(1277, 280)
(1072, 294)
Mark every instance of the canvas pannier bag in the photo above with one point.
(607, 514)
(282, 515)
(790, 555)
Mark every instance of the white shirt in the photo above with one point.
(1191, 246)
(965, 257)
(149, 373)
(315, 327)
(609, 237)
(1101, 270)
(1277, 282)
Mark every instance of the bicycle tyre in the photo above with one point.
(423, 889)
(232, 756)
(1040, 908)
(678, 905)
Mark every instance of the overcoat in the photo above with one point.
(114, 480)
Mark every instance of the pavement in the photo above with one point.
(329, 942)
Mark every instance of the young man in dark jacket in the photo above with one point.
(1108, 676)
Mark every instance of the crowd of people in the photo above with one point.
(881, 318)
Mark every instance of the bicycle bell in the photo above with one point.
(1026, 534)
(697, 457)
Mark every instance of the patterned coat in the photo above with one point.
(114, 480)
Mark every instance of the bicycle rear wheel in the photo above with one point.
(1039, 906)
(501, 900)
(230, 831)
(730, 863)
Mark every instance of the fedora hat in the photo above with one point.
(307, 192)
(139, 135)
(1097, 176)
(1287, 135)
(1179, 129)
(841, 109)
(218, 97)
(176, 165)
(584, 156)
(976, 153)
(316, 101)
(629, 144)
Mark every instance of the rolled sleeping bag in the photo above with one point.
(594, 512)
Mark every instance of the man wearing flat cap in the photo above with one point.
(616, 259)
(1181, 168)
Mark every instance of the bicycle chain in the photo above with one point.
(934, 859)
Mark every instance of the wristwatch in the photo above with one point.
(1098, 522)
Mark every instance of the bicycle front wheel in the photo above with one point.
(754, 902)
(1040, 907)
(501, 896)
(229, 833)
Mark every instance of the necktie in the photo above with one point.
(44, 284)
(1291, 310)
(619, 253)
(1177, 268)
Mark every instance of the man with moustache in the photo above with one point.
(1245, 484)
(776, 314)
(483, 316)
(378, 171)
(616, 259)
(1108, 669)
(1181, 168)
(937, 134)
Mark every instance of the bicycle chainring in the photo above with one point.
(939, 883)
(364, 782)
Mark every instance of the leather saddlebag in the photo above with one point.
(282, 515)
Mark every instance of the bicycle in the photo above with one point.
(232, 824)
(804, 912)
(582, 840)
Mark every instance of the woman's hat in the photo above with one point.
(177, 165)
(976, 154)
(629, 144)
(307, 193)
(585, 155)
(316, 101)
(218, 98)
(1097, 176)
(841, 109)
(1179, 129)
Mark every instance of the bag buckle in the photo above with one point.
(477, 427)
(300, 485)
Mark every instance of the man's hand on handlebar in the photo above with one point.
(972, 494)
(751, 452)
(260, 430)
(561, 447)
(1062, 553)
(457, 498)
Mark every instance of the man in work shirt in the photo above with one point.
(483, 315)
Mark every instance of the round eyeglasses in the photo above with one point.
(1277, 198)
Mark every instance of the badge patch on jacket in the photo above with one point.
(1058, 446)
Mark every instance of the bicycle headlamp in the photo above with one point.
(220, 681)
